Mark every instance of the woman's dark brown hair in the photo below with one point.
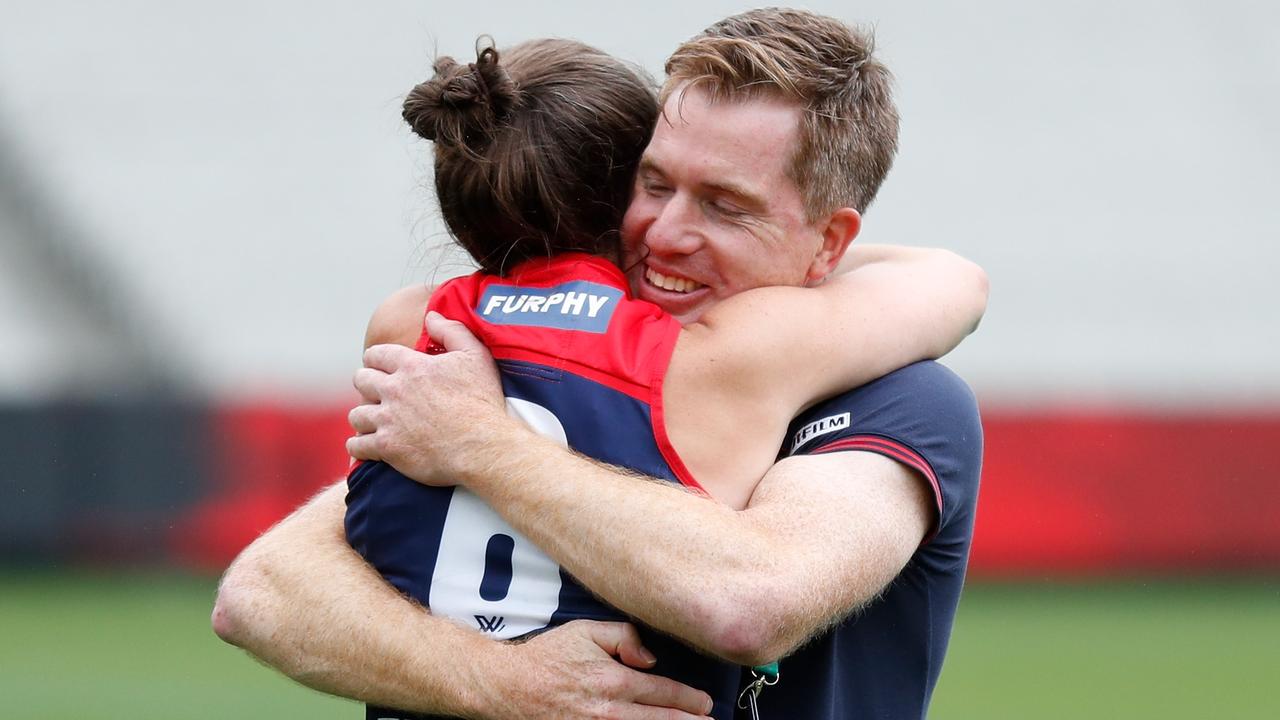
(535, 152)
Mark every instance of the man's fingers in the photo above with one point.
(624, 692)
(636, 711)
(361, 419)
(368, 383)
(620, 640)
(661, 692)
(387, 358)
(363, 447)
(451, 334)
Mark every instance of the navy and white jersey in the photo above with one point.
(884, 661)
(583, 363)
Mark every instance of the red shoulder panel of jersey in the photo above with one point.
(572, 312)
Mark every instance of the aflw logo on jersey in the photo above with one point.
(816, 428)
(577, 305)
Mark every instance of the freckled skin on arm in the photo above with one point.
(750, 585)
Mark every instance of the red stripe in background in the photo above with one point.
(1114, 492)
(268, 459)
(1062, 493)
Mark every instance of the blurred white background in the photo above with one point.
(218, 194)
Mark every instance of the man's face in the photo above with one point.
(714, 212)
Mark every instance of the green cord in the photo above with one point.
(770, 671)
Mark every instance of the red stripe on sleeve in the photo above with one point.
(894, 451)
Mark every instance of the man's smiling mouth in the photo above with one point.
(670, 284)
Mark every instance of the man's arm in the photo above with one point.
(820, 536)
(301, 600)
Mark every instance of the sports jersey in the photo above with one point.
(883, 661)
(581, 362)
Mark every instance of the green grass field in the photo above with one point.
(1132, 650)
(87, 646)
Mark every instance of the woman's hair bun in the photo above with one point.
(461, 105)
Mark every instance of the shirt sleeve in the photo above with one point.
(923, 416)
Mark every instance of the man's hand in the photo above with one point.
(420, 410)
(571, 672)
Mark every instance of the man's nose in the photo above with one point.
(676, 230)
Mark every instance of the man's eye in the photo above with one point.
(653, 187)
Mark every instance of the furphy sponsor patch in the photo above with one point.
(826, 425)
(577, 305)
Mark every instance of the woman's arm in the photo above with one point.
(766, 354)
(895, 306)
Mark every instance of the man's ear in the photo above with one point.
(837, 231)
